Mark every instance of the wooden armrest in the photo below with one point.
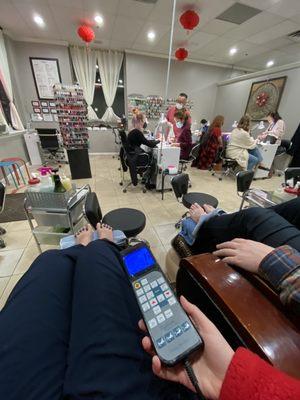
(258, 317)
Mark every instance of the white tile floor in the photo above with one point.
(21, 249)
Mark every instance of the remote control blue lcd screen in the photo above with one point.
(138, 261)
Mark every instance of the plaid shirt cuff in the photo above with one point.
(278, 264)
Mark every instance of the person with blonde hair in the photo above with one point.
(211, 142)
(136, 136)
(242, 147)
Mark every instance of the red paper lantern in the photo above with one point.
(189, 20)
(181, 54)
(86, 33)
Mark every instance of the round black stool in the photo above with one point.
(201, 198)
(128, 220)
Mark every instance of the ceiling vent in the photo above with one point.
(238, 13)
(294, 36)
(147, 1)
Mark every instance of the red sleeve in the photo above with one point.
(250, 378)
(217, 132)
(169, 116)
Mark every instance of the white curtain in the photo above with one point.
(6, 82)
(2, 117)
(110, 63)
(84, 62)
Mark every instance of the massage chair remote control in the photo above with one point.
(172, 332)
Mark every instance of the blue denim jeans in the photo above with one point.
(255, 158)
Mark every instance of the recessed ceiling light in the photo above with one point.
(39, 20)
(98, 80)
(97, 66)
(233, 51)
(120, 81)
(151, 35)
(99, 19)
(270, 63)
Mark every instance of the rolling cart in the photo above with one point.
(57, 215)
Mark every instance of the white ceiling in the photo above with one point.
(260, 39)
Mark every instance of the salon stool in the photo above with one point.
(200, 198)
(20, 162)
(11, 166)
(129, 220)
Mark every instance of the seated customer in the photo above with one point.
(242, 147)
(136, 136)
(69, 331)
(274, 230)
(184, 138)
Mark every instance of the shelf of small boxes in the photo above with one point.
(172, 102)
(72, 116)
(152, 106)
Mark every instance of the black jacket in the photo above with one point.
(136, 138)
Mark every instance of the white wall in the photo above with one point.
(23, 82)
(147, 75)
(232, 100)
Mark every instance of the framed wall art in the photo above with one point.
(264, 97)
(46, 74)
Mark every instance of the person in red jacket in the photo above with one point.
(211, 142)
(223, 374)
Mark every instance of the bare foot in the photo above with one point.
(84, 236)
(208, 208)
(105, 232)
(196, 212)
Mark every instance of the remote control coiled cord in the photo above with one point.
(191, 374)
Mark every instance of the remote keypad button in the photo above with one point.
(164, 303)
(150, 295)
(160, 318)
(137, 285)
(161, 342)
(169, 337)
(185, 326)
(153, 302)
(156, 310)
(144, 282)
(164, 287)
(177, 331)
(167, 293)
(146, 306)
(147, 288)
(160, 298)
(172, 301)
(142, 299)
(168, 313)
(157, 291)
(160, 280)
(153, 284)
(139, 292)
(152, 323)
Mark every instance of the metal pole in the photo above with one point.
(170, 50)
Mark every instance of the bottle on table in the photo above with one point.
(67, 184)
(46, 182)
(58, 186)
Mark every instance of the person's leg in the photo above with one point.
(259, 224)
(252, 162)
(106, 359)
(35, 327)
(289, 210)
(256, 153)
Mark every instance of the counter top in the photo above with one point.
(12, 135)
